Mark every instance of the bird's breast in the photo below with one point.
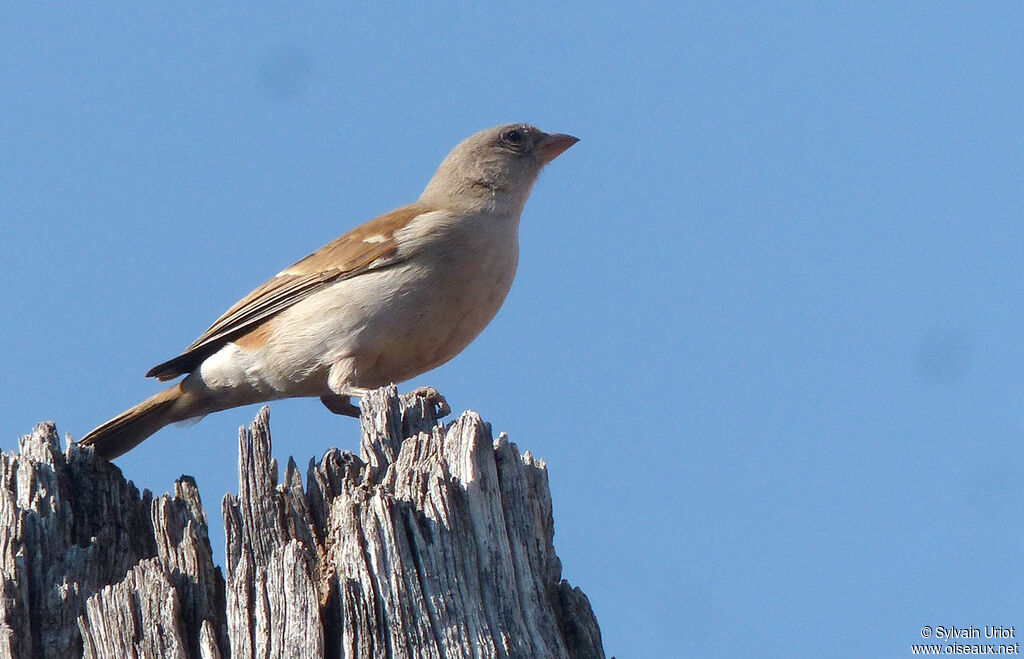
(397, 322)
(443, 299)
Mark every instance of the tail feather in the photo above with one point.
(129, 428)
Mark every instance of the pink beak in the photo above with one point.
(553, 145)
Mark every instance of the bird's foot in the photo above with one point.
(340, 405)
(433, 397)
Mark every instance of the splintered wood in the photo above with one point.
(433, 542)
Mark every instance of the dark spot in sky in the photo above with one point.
(286, 73)
(945, 354)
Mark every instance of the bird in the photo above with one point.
(390, 299)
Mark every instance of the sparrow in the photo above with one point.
(391, 299)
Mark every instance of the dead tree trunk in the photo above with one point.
(434, 542)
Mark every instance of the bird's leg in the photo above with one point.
(340, 405)
(339, 400)
(433, 397)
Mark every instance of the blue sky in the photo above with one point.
(765, 330)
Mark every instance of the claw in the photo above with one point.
(340, 405)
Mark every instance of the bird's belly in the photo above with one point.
(435, 325)
(386, 326)
(437, 316)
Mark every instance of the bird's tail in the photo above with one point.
(125, 431)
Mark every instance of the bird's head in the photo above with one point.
(495, 167)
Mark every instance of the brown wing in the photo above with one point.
(370, 246)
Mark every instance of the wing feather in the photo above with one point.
(368, 247)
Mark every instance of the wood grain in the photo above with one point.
(435, 541)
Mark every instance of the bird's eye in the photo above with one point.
(512, 137)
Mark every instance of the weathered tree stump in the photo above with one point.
(435, 542)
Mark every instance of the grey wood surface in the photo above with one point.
(435, 541)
